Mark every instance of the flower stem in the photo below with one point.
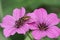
(29, 36)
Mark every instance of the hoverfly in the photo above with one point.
(25, 18)
(21, 21)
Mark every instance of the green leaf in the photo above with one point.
(46, 38)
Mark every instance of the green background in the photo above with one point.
(7, 6)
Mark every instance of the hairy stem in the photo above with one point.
(29, 36)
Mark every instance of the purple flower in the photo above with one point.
(17, 22)
(45, 24)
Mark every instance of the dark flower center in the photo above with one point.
(21, 21)
(43, 27)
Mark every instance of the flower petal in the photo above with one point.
(38, 34)
(52, 19)
(8, 21)
(41, 14)
(14, 31)
(33, 26)
(53, 32)
(7, 32)
(37, 39)
(18, 13)
(23, 29)
(32, 17)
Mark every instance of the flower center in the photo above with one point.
(42, 27)
(21, 21)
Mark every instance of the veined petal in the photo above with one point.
(52, 19)
(7, 32)
(41, 14)
(33, 26)
(8, 21)
(38, 34)
(53, 32)
(18, 13)
(23, 29)
(32, 17)
(37, 39)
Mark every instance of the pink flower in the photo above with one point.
(17, 22)
(37, 39)
(45, 24)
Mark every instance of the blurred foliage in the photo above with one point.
(17, 37)
(7, 6)
(2, 36)
(0, 11)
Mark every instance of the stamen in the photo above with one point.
(42, 27)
